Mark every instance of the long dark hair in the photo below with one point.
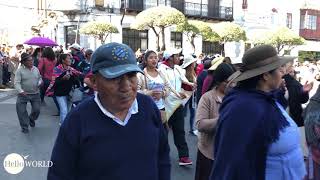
(61, 58)
(221, 74)
(145, 58)
(48, 53)
(191, 73)
(36, 52)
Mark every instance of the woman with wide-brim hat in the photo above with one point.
(189, 72)
(256, 138)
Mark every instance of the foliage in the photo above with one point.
(161, 16)
(100, 30)
(228, 32)
(280, 38)
(158, 17)
(308, 55)
(193, 29)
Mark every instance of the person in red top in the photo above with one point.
(46, 64)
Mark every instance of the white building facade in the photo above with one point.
(258, 17)
(77, 12)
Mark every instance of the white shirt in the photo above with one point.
(156, 83)
(173, 76)
(133, 110)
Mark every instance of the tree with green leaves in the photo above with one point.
(99, 30)
(193, 29)
(228, 32)
(281, 38)
(159, 18)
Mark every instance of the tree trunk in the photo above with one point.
(223, 53)
(102, 39)
(192, 44)
(163, 47)
(158, 38)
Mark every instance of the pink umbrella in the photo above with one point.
(41, 41)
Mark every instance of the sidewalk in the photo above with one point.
(7, 93)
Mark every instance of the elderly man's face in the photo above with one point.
(116, 94)
(28, 63)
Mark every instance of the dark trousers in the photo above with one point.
(46, 83)
(176, 122)
(21, 107)
(203, 167)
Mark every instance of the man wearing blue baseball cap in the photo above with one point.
(118, 134)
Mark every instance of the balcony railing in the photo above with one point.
(203, 10)
(197, 10)
(133, 5)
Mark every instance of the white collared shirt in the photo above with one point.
(133, 110)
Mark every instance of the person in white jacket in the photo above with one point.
(173, 103)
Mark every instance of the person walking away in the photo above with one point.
(153, 83)
(201, 77)
(209, 78)
(77, 55)
(118, 134)
(207, 118)
(46, 65)
(63, 79)
(36, 56)
(85, 68)
(188, 67)
(173, 103)
(27, 82)
(256, 138)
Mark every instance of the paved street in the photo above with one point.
(39, 142)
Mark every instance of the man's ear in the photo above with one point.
(94, 80)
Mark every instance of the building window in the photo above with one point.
(135, 39)
(211, 48)
(194, 8)
(154, 3)
(70, 35)
(176, 40)
(289, 20)
(308, 22)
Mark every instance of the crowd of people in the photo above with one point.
(246, 116)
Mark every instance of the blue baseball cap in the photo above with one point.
(113, 60)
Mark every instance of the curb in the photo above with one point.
(7, 94)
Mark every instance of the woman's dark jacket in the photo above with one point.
(296, 98)
(249, 122)
(64, 87)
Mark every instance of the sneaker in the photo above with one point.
(25, 131)
(32, 123)
(185, 161)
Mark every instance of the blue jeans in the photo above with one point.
(189, 106)
(63, 106)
